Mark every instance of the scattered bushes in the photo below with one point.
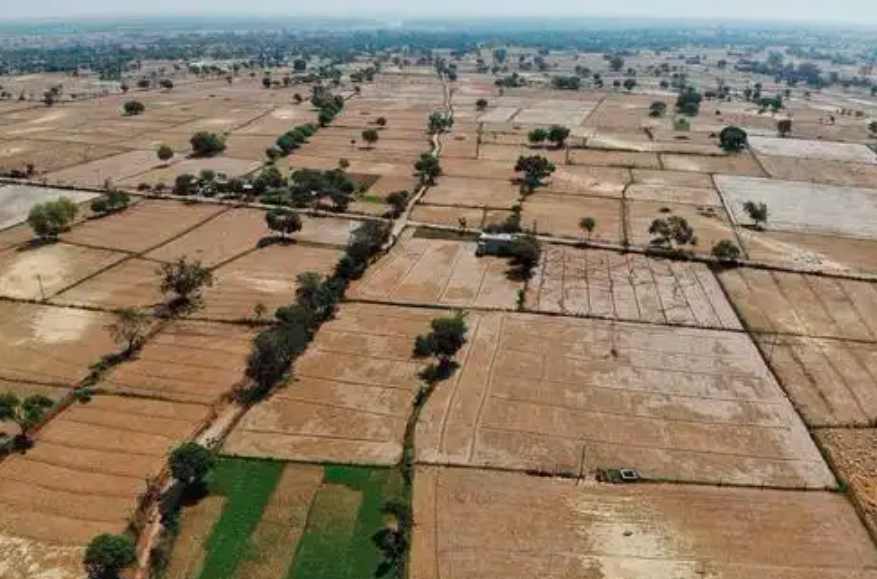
(24, 412)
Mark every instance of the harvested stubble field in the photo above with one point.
(560, 215)
(573, 395)
(604, 181)
(466, 192)
(350, 395)
(51, 345)
(806, 149)
(134, 229)
(47, 157)
(774, 302)
(186, 361)
(628, 287)
(134, 283)
(16, 201)
(451, 216)
(614, 159)
(266, 276)
(710, 223)
(114, 168)
(557, 529)
(820, 171)
(740, 164)
(827, 252)
(831, 382)
(420, 270)
(672, 178)
(701, 196)
(804, 207)
(42, 271)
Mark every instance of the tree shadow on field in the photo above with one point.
(36, 243)
(270, 240)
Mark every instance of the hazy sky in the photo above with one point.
(862, 12)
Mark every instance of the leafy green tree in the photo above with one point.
(428, 168)
(398, 200)
(558, 135)
(165, 153)
(283, 221)
(588, 224)
(688, 102)
(725, 250)
(110, 202)
(672, 233)
(184, 280)
(325, 117)
(757, 212)
(206, 144)
(370, 136)
(26, 412)
(537, 136)
(50, 218)
(733, 139)
(439, 123)
(107, 554)
(133, 108)
(447, 337)
(535, 168)
(190, 463)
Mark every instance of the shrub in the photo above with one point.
(283, 221)
(526, 252)
(50, 218)
(725, 250)
(205, 144)
(111, 202)
(758, 212)
(733, 139)
(133, 108)
(657, 109)
(108, 554)
(184, 280)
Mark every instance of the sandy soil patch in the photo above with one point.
(479, 169)
(43, 271)
(350, 395)
(266, 276)
(49, 344)
(805, 305)
(28, 559)
(187, 361)
(537, 392)
(628, 286)
(135, 228)
(804, 207)
(442, 272)
(606, 181)
(560, 215)
(467, 192)
(451, 216)
(556, 528)
(742, 164)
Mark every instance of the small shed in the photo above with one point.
(494, 244)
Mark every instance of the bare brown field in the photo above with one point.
(605, 181)
(674, 194)
(479, 169)
(710, 224)
(23, 390)
(436, 271)
(791, 303)
(49, 157)
(134, 283)
(462, 145)
(542, 393)
(672, 178)
(350, 395)
(187, 361)
(820, 171)
(223, 237)
(250, 147)
(80, 499)
(852, 453)
(167, 174)
(135, 228)
(266, 276)
(740, 164)
(49, 344)
(560, 215)
(467, 192)
(555, 528)
(43, 271)
(451, 216)
(389, 184)
(614, 159)
(509, 154)
(827, 252)
(628, 287)
(831, 382)
(190, 546)
(115, 168)
(13, 236)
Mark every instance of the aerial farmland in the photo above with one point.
(433, 313)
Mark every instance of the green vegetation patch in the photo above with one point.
(247, 486)
(345, 515)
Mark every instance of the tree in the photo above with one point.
(184, 280)
(283, 221)
(526, 252)
(439, 123)
(111, 202)
(688, 102)
(757, 212)
(558, 135)
(206, 144)
(535, 168)
(537, 136)
(129, 329)
(190, 463)
(784, 127)
(672, 233)
(133, 108)
(165, 153)
(370, 136)
(616, 63)
(325, 117)
(588, 224)
(733, 139)
(427, 168)
(872, 127)
(343, 164)
(629, 84)
(448, 335)
(25, 413)
(50, 218)
(107, 554)
(398, 200)
(381, 122)
(481, 104)
(725, 250)
(657, 109)
(166, 84)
